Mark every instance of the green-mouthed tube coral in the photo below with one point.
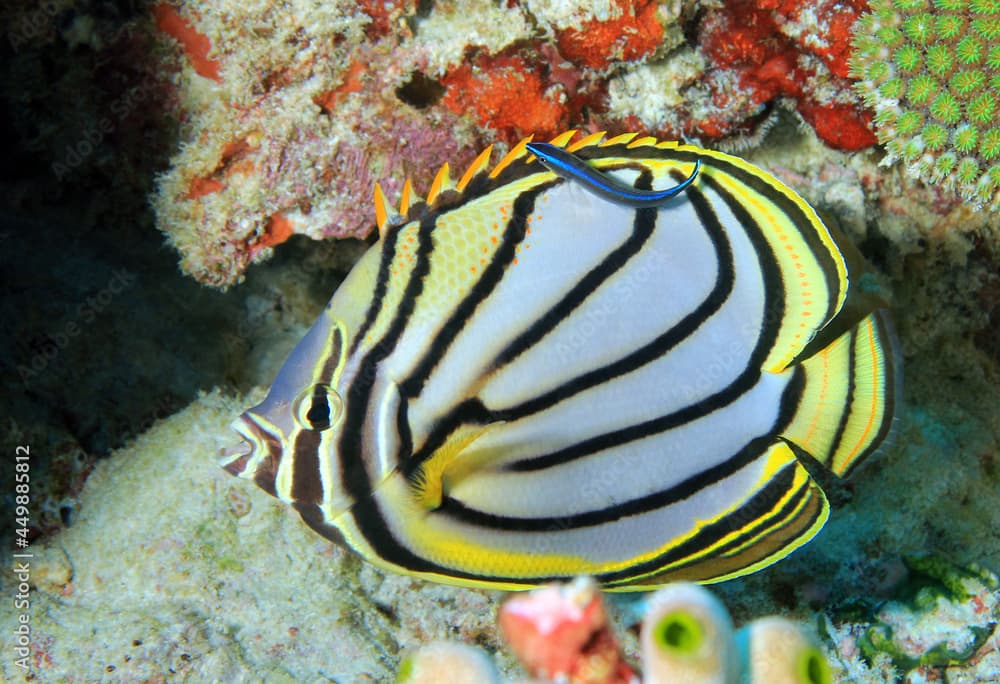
(774, 650)
(687, 636)
(447, 661)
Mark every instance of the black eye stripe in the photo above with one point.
(318, 408)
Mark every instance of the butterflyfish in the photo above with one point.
(615, 357)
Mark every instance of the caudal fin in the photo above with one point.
(852, 390)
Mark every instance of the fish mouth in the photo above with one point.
(234, 459)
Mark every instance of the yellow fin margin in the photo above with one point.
(848, 404)
(563, 138)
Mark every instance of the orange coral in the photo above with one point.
(764, 42)
(233, 160)
(352, 83)
(506, 93)
(278, 229)
(196, 45)
(597, 44)
(839, 125)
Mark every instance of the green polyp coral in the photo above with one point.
(931, 71)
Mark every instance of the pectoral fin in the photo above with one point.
(431, 479)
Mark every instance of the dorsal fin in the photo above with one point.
(622, 139)
(442, 181)
(386, 215)
(519, 150)
(586, 141)
(383, 210)
(480, 163)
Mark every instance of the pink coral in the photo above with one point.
(561, 632)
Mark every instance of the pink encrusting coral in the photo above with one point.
(289, 113)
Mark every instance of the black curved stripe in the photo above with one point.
(757, 506)
(502, 258)
(351, 461)
(662, 344)
(473, 411)
(514, 233)
(469, 412)
(774, 299)
(645, 504)
(365, 511)
(642, 229)
(827, 261)
(381, 287)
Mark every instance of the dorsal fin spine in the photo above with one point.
(563, 138)
(480, 163)
(586, 141)
(406, 199)
(382, 208)
(519, 150)
(442, 182)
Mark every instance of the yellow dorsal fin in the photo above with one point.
(586, 141)
(667, 145)
(406, 199)
(383, 210)
(518, 151)
(442, 182)
(619, 139)
(645, 141)
(563, 138)
(480, 163)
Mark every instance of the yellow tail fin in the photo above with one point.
(852, 388)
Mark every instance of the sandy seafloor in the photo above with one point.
(148, 563)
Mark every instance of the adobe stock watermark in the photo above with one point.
(90, 139)
(21, 556)
(31, 26)
(86, 313)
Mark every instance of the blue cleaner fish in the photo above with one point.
(618, 357)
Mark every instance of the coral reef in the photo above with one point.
(759, 51)
(157, 567)
(561, 633)
(931, 72)
(289, 114)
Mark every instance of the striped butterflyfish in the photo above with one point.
(616, 357)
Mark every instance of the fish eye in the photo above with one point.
(318, 407)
